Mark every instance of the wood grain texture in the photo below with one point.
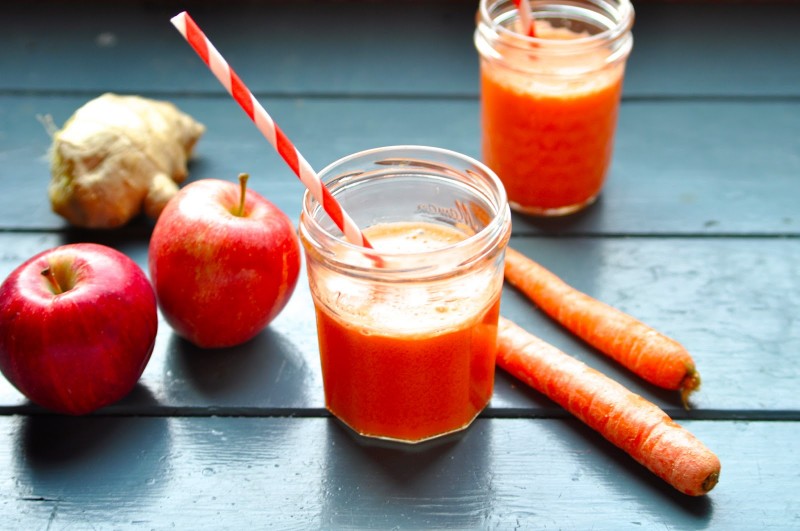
(285, 473)
(409, 48)
(690, 289)
(679, 168)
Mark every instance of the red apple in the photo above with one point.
(77, 327)
(224, 262)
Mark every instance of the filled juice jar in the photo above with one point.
(407, 329)
(549, 103)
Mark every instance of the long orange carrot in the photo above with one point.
(635, 425)
(655, 357)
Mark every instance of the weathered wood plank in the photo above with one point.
(696, 50)
(411, 48)
(679, 167)
(289, 473)
(730, 301)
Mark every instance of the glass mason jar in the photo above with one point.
(549, 103)
(407, 330)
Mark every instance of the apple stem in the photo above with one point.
(243, 191)
(47, 272)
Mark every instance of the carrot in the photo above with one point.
(632, 423)
(655, 357)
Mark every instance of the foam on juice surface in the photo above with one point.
(411, 310)
(411, 237)
(553, 72)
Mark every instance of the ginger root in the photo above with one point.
(118, 155)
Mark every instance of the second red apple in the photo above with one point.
(224, 262)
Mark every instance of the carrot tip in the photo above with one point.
(710, 482)
(689, 384)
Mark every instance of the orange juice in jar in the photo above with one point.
(407, 330)
(549, 103)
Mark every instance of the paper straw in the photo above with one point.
(525, 17)
(225, 74)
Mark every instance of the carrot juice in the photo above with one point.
(400, 370)
(407, 327)
(549, 106)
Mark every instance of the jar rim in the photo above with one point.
(623, 23)
(323, 240)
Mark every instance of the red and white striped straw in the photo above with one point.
(525, 17)
(219, 67)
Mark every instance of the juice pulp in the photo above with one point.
(549, 136)
(403, 366)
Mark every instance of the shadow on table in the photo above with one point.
(580, 222)
(82, 462)
(650, 491)
(441, 483)
(267, 371)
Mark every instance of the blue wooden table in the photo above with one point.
(696, 233)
